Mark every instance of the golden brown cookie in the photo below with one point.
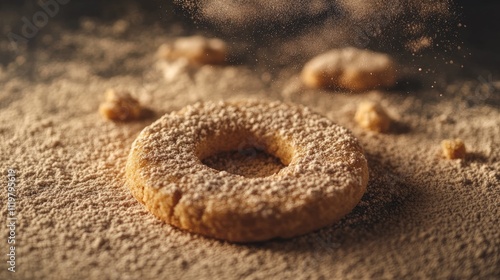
(196, 49)
(120, 106)
(372, 116)
(325, 176)
(351, 69)
(453, 149)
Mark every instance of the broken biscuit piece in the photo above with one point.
(120, 106)
(196, 49)
(351, 69)
(370, 115)
(453, 149)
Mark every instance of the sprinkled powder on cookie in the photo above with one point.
(324, 177)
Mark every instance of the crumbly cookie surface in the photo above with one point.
(372, 116)
(120, 106)
(325, 175)
(453, 149)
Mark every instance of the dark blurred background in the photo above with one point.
(483, 23)
(479, 17)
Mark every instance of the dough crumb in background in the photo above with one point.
(453, 149)
(196, 49)
(350, 68)
(120, 106)
(372, 116)
(120, 27)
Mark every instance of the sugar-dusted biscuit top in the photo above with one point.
(324, 177)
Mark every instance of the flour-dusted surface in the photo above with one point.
(422, 216)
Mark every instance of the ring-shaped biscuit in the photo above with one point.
(325, 176)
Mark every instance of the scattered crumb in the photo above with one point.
(120, 106)
(420, 44)
(350, 68)
(196, 49)
(120, 27)
(372, 116)
(453, 148)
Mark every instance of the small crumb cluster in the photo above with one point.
(120, 106)
(351, 69)
(196, 49)
(453, 149)
(372, 116)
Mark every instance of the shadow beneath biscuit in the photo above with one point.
(475, 157)
(147, 114)
(385, 195)
(376, 217)
(398, 128)
(146, 117)
(380, 209)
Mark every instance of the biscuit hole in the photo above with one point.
(249, 162)
(245, 155)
